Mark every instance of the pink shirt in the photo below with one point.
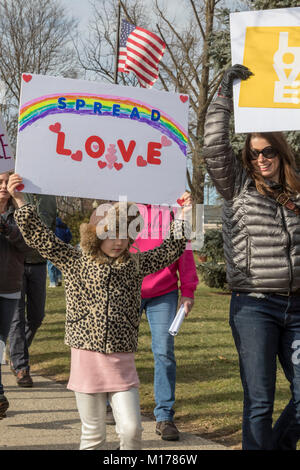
(156, 227)
(94, 372)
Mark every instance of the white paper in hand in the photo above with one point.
(2, 353)
(174, 328)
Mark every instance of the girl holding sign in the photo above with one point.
(103, 286)
(261, 231)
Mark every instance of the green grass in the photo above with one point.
(208, 392)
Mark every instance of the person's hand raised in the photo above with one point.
(186, 203)
(14, 182)
(237, 71)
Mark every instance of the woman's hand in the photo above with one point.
(14, 181)
(237, 71)
(188, 303)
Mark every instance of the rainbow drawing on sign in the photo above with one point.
(102, 105)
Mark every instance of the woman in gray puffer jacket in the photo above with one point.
(261, 232)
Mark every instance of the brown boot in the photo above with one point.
(24, 379)
(3, 406)
(167, 430)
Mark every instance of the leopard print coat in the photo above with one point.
(102, 298)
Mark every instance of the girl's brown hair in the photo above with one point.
(91, 233)
(288, 177)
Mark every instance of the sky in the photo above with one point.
(81, 9)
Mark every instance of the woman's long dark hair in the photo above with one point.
(288, 178)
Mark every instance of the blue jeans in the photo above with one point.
(160, 312)
(263, 329)
(53, 272)
(28, 315)
(7, 308)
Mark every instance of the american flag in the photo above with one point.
(140, 52)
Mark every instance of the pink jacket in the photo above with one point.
(156, 225)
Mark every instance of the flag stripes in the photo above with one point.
(140, 51)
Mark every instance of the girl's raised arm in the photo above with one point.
(36, 234)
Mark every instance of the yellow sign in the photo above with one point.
(273, 55)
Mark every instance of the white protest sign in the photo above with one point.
(7, 162)
(86, 139)
(268, 43)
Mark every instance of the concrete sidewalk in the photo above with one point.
(45, 417)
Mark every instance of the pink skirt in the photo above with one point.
(94, 372)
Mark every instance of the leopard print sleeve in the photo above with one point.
(37, 235)
(169, 251)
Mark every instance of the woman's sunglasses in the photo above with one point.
(267, 152)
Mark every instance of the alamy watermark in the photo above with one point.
(148, 221)
(296, 353)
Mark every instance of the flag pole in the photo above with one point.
(118, 43)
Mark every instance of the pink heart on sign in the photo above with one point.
(26, 77)
(184, 98)
(55, 127)
(140, 161)
(118, 166)
(101, 164)
(20, 187)
(77, 156)
(165, 142)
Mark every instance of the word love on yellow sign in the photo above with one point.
(273, 54)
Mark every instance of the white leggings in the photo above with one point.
(126, 410)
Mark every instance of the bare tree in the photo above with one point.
(97, 53)
(186, 66)
(188, 69)
(34, 38)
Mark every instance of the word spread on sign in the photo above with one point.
(102, 106)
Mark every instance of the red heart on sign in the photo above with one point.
(140, 161)
(118, 166)
(55, 127)
(184, 98)
(20, 187)
(165, 142)
(26, 77)
(77, 156)
(180, 202)
(101, 164)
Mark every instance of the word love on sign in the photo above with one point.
(95, 148)
(6, 156)
(85, 139)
